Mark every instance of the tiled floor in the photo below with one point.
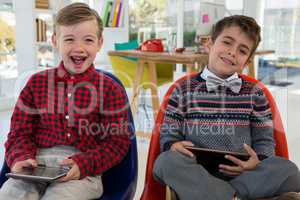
(287, 98)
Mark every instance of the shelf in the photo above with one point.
(114, 29)
(44, 14)
(45, 11)
(47, 44)
(45, 53)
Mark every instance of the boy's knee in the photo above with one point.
(283, 164)
(292, 166)
(19, 189)
(168, 159)
(162, 163)
(169, 162)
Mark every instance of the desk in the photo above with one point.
(193, 61)
(251, 68)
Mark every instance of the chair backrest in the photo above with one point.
(120, 181)
(125, 68)
(126, 172)
(133, 44)
(281, 148)
(5, 169)
(153, 190)
(127, 46)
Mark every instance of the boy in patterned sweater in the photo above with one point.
(70, 115)
(219, 110)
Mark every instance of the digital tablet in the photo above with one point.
(210, 159)
(40, 173)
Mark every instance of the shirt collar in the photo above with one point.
(205, 73)
(63, 75)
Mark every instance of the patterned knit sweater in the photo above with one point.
(220, 120)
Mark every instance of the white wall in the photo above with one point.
(25, 35)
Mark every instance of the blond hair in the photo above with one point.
(76, 13)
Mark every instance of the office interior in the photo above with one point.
(25, 48)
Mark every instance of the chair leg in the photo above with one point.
(285, 196)
(171, 194)
(143, 103)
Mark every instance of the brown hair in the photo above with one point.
(76, 13)
(247, 24)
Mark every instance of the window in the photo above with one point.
(8, 63)
(281, 30)
(199, 16)
(152, 19)
(235, 7)
(7, 40)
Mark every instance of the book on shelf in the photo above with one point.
(116, 13)
(119, 16)
(112, 13)
(38, 31)
(106, 12)
(42, 4)
(41, 29)
(44, 28)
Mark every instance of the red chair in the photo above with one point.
(153, 190)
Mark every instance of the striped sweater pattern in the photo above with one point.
(220, 120)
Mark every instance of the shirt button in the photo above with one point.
(69, 95)
(67, 117)
(68, 135)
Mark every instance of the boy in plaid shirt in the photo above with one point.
(71, 115)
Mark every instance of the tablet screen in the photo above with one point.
(40, 173)
(211, 159)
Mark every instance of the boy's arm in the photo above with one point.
(262, 125)
(19, 145)
(114, 144)
(171, 128)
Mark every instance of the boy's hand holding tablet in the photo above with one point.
(227, 162)
(39, 173)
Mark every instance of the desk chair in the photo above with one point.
(153, 190)
(120, 181)
(125, 67)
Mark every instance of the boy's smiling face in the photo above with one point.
(78, 45)
(230, 52)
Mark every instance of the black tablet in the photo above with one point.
(40, 173)
(211, 159)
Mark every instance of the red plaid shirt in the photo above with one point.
(88, 111)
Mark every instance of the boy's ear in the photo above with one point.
(208, 45)
(100, 42)
(54, 40)
(250, 60)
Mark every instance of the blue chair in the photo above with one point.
(5, 169)
(120, 181)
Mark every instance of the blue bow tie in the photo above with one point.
(213, 84)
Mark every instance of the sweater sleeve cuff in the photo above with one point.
(167, 145)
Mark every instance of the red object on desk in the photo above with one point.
(154, 45)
